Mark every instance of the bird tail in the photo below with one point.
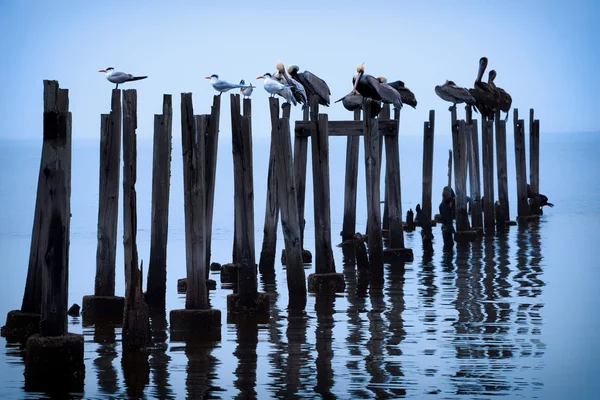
(137, 78)
(550, 205)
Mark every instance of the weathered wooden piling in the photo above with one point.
(197, 317)
(501, 165)
(212, 147)
(371, 133)
(247, 299)
(474, 171)
(300, 160)
(449, 169)
(534, 163)
(463, 229)
(520, 166)
(104, 303)
(136, 318)
(428, 139)
(161, 183)
(487, 145)
(324, 278)
(385, 218)
(349, 221)
(289, 209)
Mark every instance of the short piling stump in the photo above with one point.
(306, 257)
(261, 305)
(54, 363)
(215, 266)
(102, 307)
(211, 284)
(229, 273)
(402, 254)
(200, 323)
(19, 326)
(326, 283)
(467, 236)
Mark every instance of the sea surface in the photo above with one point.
(514, 315)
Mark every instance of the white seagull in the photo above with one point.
(222, 86)
(246, 90)
(274, 87)
(119, 77)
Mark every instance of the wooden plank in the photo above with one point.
(428, 140)
(487, 136)
(194, 184)
(475, 178)
(244, 200)
(350, 184)
(212, 147)
(55, 257)
(321, 194)
(344, 128)
(520, 166)
(502, 166)
(460, 175)
(393, 190)
(161, 183)
(289, 210)
(373, 191)
(108, 207)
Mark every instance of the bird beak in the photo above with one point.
(101, 70)
(259, 77)
(207, 77)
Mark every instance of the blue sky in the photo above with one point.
(545, 52)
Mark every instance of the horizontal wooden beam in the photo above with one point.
(345, 128)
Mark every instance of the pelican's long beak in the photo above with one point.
(101, 70)
(207, 77)
(260, 77)
(354, 91)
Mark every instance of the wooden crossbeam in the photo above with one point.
(345, 128)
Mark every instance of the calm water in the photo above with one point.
(515, 315)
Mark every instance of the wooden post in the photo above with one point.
(534, 161)
(428, 137)
(161, 183)
(241, 137)
(449, 169)
(520, 166)
(289, 209)
(371, 132)
(212, 147)
(453, 126)
(194, 182)
(300, 160)
(393, 189)
(267, 254)
(110, 165)
(349, 222)
(460, 175)
(55, 256)
(136, 319)
(385, 220)
(502, 167)
(487, 146)
(475, 173)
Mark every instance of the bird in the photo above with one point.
(424, 222)
(485, 97)
(354, 101)
(543, 198)
(504, 99)
(408, 97)
(119, 77)
(246, 90)
(273, 87)
(371, 87)
(297, 88)
(454, 94)
(312, 84)
(222, 86)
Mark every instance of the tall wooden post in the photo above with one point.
(349, 222)
(212, 147)
(502, 167)
(475, 173)
(393, 187)
(428, 138)
(300, 160)
(371, 133)
(460, 176)
(534, 161)
(384, 115)
(488, 174)
(289, 209)
(520, 166)
(136, 319)
(161, 184)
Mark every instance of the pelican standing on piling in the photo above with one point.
(408, 97)
(273, 87)
(119, 77)
(312, 84)
(369, 86)
(485, 97)
(504, 99)
(297, 88)
(454, 94)
(222, 86)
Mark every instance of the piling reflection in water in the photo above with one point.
(136, 372)
(159, 358)
(245, 373)
(324, 307)
(105, 337)
(395, 330)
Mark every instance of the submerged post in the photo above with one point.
(161, 183)
(502, 167)
(520, 166)
(349, 222)
(428, 138)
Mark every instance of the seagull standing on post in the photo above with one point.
(119, 77)
(274, 87)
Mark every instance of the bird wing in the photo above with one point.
(315, 85)
(119, 77)
(224, 85)
(385, 91)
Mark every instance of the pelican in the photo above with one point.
(354, 101)
(297, 88)
(312, 84)
(408, 97)
(504, 99)
(220, 85)
(370, 86)
(487, 101)
(455, 94)
(246, 90)
(119, 77)
(273, 87)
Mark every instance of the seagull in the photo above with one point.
(119, 77)
(222, 86)
(246, 90)
(273, 87)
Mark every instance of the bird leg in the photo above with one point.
(506, 118)
(116, 87)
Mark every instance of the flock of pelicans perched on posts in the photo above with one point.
(296, 87)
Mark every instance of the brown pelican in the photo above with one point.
(119, 77)
(487, 101)
(297, 87)
(455, 94)
(312, 84)
(408, 97)
(371, 87)
(504, 99)
(354, 101)
(273, 87)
